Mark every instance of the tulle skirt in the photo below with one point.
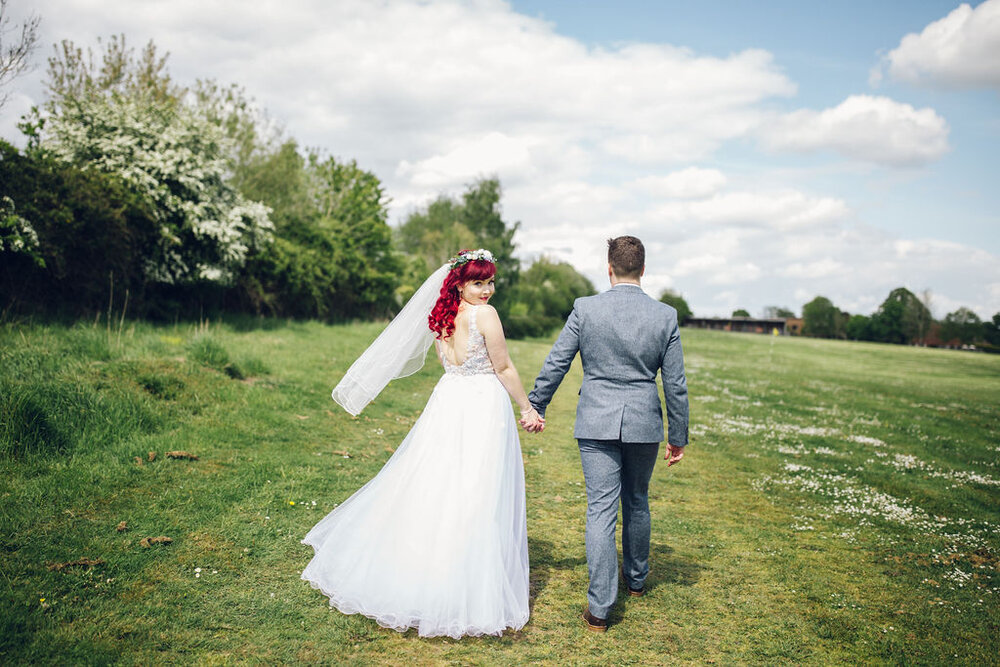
(436, 541)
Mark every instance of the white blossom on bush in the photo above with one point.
(175, 158)
(16, 234)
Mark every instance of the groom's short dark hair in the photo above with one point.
(627, 257)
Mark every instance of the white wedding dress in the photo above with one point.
(437, 540)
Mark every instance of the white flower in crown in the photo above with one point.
(469, 255)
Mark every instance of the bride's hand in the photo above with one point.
(531, 421)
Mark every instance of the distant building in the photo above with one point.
(779, 326)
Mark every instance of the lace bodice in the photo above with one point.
(477, 360)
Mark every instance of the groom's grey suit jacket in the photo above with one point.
(623, 337)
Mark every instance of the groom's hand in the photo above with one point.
(673, 454)
(533, 426)
(536, 427)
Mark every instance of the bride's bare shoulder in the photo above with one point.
(487, 316)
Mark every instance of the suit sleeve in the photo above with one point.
(556, 364)
(675, 389)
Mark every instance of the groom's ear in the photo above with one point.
(643, 272)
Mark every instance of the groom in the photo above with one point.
(623, 337)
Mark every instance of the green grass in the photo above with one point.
(839, 503)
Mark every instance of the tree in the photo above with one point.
(923, 318)
(333, 256)
(254, 138)
(741, 312)
(15, 54)
(281, 178)
(353, 206)
(89, 237)
(902, 318)
(175, 160)
(887, 322)
(550, 288)
(672, 298)
(127, 119)
(991, 330)
(544, 298)
(72, 75)
(777, 312)
(859, 327)
(476, 221)
(822, 319)
(962, 324)
(483, 214)
(435, 234)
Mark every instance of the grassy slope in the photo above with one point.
(777, 539)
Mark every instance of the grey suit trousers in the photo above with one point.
(613, 470)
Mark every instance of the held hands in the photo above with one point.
(673, 454)
(531, 421)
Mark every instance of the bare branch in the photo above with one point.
(15, 55)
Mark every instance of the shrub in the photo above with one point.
(92, 233)
(207, 351)
(530, 326)
(52, 416)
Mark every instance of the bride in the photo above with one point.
(437, 540)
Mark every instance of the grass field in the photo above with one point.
(839, 502)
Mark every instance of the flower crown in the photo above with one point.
(469, 255)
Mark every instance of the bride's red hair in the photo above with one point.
(442, 317)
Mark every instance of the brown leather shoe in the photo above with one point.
(594, 624)
(634, 592)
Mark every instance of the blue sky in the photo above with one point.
(766, 152)
(829, 50)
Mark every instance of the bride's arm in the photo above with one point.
(489, 325)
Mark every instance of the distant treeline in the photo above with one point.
(903, 318)
(137, 195)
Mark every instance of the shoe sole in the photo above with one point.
(591, 626)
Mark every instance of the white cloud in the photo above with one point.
(779, 211)
(493, 153)
(819, 268)
(756, 246)
(17, 105)
(726, 302)
(707, 263)
(582, 245)
(689, 183)
(736, 274)
(863, 127)
(416, 86)
(654, 284)
(855, 267)
(962, 50)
